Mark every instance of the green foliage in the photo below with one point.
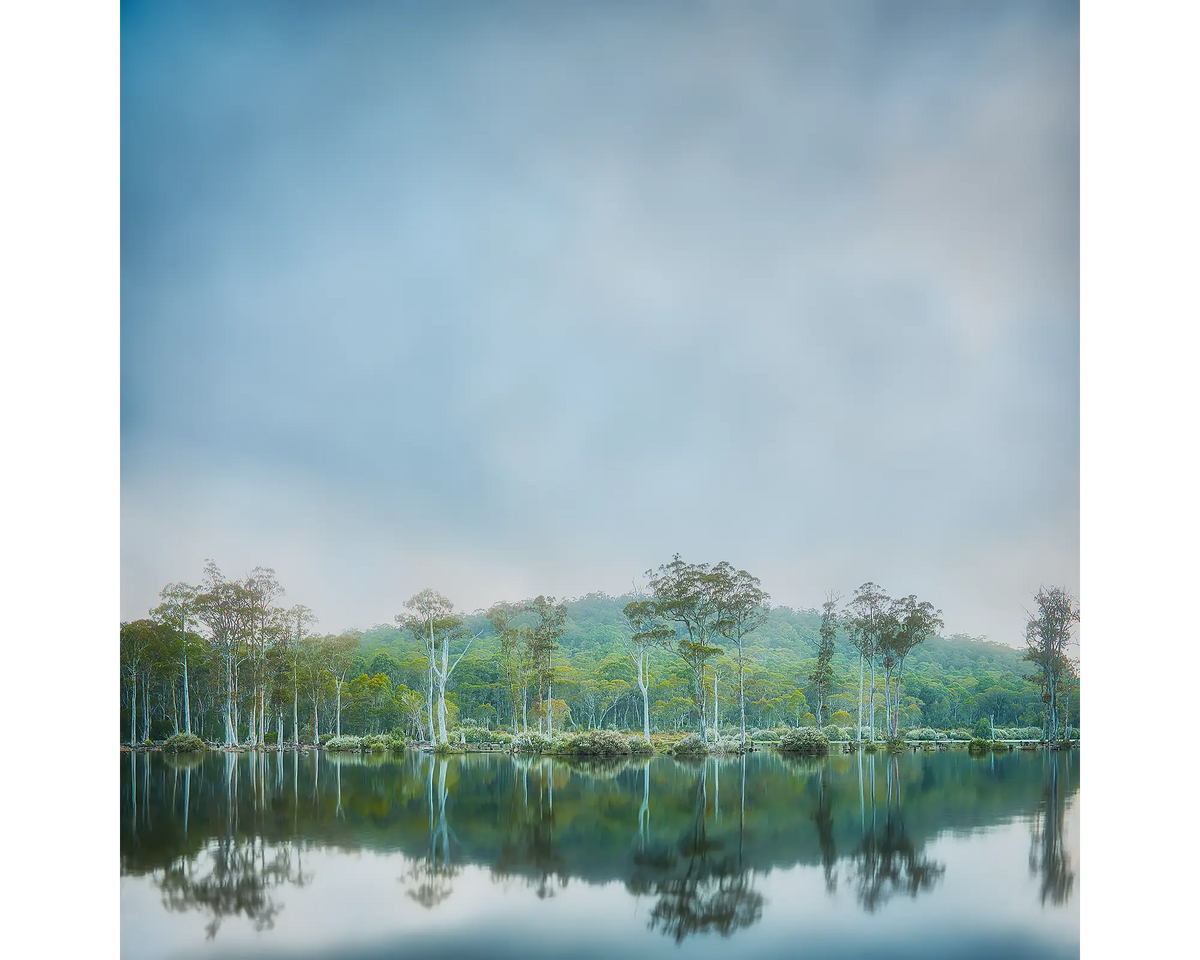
(594, 743)
(979, 746)
(531, 742)
(834, 732)
(444, 749)
(690, 746)
(184, 743)
(842, 719)
(983, 729)
(925, 733)
(765, 736)
(638, 746)
(806, 740)
(344, 744)
(382, 741)
(894, 744)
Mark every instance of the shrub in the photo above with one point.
(978, 746)
(447, 748)
(184, 743)
(598, 743)
(958, 736)
(870, 746)
(834, 732)
(764, 736)
(638, 747)
(806, 740)
(532, 742)
(894, 744)
(691, 745)
(983, 729)
(344, 744)
(925, 733)
(383, 741)
(725, 745)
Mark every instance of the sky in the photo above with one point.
(508, 299)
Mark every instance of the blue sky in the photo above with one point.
(509, 299)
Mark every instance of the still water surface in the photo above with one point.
(930, 855)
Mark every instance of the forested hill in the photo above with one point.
(948, 681)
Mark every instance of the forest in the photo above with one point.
(702, 650)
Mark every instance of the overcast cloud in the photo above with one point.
(508, 298)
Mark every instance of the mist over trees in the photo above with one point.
(702, 648)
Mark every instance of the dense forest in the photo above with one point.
(228, 661)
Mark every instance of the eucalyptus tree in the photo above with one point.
(1048, 634)
(745, 607)
(865, 620)
(264, 629)
(433, 619)
(822, 675)
(913, 623)
(176, 610)
(550, 618)
(223, 607)
(338, 654)
(648, 632)
(693, 597)
(137, 642)
(315, 671)
(502, 617)
(303, 618)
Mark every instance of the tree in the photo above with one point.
(175, 611)
(338, 653)
(303, 618)
(744, 609)
(822, 675)
(1048, 633)
(502, 617)
(434, 620)
(865, 622)
(692, 596)
(137, 641)
(906, 625)
(647, 632)
(542, 641)
(224, 608)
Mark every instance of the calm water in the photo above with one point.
(315, 855)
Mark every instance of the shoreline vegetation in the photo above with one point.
(699, 661)
(616, 743)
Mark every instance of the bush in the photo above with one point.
(958, 736)
(184, 743)
(925, 733)
(978, 746)
(983, 729)
(894, 744)
(834, 732)
(870, 746)
(597, 743)
(532, 742)
(638, 747)
(447, 748)
(690, 746)
(806, 740)
(344, 744)
(383, 741)
(725, 745)
(764, 736)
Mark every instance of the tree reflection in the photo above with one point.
(234, 877)
(887, 861)
(529, 849)
(699, 888)
(1048, 857)
(431, 875)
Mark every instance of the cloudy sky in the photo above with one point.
(517, 298)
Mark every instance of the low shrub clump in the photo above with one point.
(598, 743)
(806, 740)
(690, 746)
(834, 732)
(638, 746)
(764, 736)
(870, 746)
(531, 742)
(978, 746)
(344, 744)
(725, 745)
(894, 744)
(184, 743)
(383, 741)
(958, 736)
(925, 733)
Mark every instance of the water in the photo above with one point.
(929, 855)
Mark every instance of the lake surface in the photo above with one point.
(929, 855)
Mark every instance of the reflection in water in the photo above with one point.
(699, 887)
(887, 860)
(431, 875)
(225, 835)
(1048, 857)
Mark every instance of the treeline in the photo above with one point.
(702, 649)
